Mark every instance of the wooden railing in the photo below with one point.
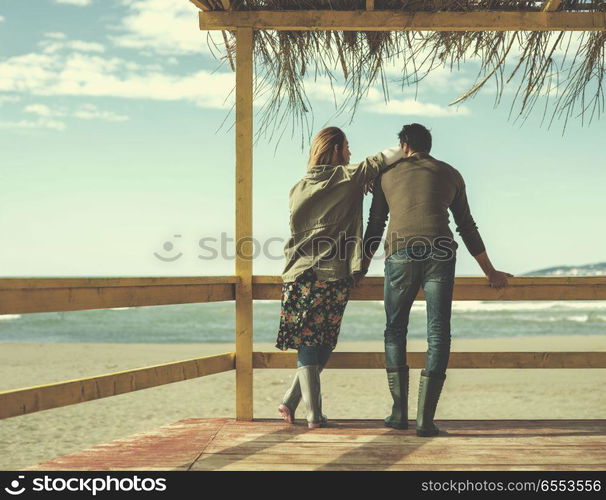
(46, 397)
(28, 295)
(366, 360)
(472, 288)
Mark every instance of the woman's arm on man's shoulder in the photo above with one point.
(374, 165)
(367, 170)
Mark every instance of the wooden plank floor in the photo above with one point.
(224, 444)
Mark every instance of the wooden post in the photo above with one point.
(244, 248)
(551, 5)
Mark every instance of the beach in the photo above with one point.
(363, 394)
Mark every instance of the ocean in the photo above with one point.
(363, 321)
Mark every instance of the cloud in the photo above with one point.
(79, 3)
(29, 124)
(72, 73)
(9, 98)
(81, 68)
(374, 101)
(91, 112)
(84, 112)
(74, 45)
(441, 78)
(2, 19)
(324, 90)
(84, 74)
(38, 109)
(413, 107)
(55, 35)
(164, 27)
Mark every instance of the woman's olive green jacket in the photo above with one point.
(326, 220)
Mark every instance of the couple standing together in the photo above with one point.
(326, 256)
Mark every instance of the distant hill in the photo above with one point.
(598, 269)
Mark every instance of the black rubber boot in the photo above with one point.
(398, 386)
(430, 387)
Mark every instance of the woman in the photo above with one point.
(323, 261)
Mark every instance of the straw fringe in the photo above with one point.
(573, 82)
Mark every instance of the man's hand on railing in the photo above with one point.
(498, 279)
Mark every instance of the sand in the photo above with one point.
(468, 394)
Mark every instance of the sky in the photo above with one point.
(117, 152)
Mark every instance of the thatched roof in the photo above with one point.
(409, 5)
(564, 68)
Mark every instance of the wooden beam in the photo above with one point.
(362, 20)
(542, 281)
(471, 288)
(44, 397)
(29, 295)
(416, 360)
(19, 283)
(201, 4)
(370, 4)
(551, 5)
(244, 228)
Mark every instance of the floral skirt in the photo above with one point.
(312, 311)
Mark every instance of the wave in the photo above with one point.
(538, 318)
(9, 317)
(580, 318)
(547, 306)
(513, 306)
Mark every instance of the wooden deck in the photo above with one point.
(225, 444)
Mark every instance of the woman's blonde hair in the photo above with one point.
(324, 144)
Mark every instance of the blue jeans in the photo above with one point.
(406, 271)
(313, 355)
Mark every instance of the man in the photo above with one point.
(420, 251)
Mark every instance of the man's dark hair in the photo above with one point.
(416, 136)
